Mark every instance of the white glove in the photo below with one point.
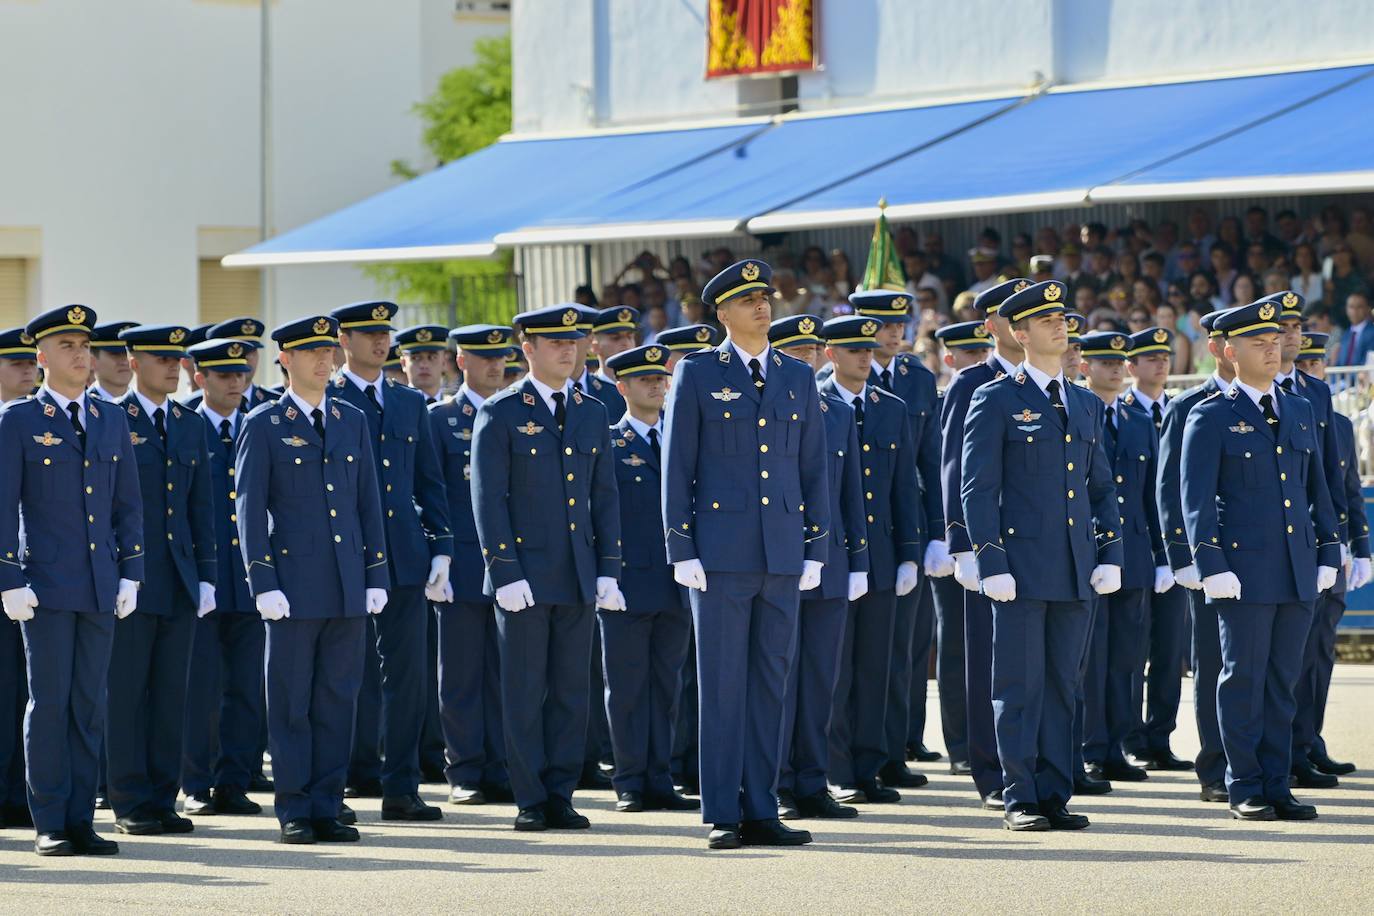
(376, 600)
(966, 570)
(438, 579)
(690, 573)
(1326, 577)
(126, 599)
(1188, 577)
(1221, 585)
(811, 574)
(1105, 579)
(1360, 573)
(608, 594)
(1000, 588)
(1164, 579)
(448, 593)
(858, 585)
(908, 575)
(515, 597)
(273, 605)
(207, 599)
(19, 603)
(938, 561)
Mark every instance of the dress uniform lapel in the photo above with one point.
(1038, 401)
(636, 443)
(1284, 402)
(1250, 413)
(737, 373)
(539, 411)
(773, 383)
(141, 424)
(299, 422)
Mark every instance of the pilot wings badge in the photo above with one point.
(293, 441)
(1026, 416)
(47, 439)
(1242, 427)
(530, 429)
(726, 395)
(633, 461)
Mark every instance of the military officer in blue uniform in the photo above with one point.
(1210, 764)
(18, 372)
(1035, 480)
(983, 763)
(110, 361)
(469, 657)
(904, 375)
(1266, 542)
(803, 789)
(249, 331)
(419, 545)
(67, 468)
(645, 646)
(893, 516)
(152, 645)
(1312, 765)
(316, 572)
(224, 700)
(421, 349)
(615, 331)
(747, 511)
(1119, 630)
(687, 339)
(548, 520)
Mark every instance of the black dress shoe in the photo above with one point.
(723, 836)
(347, 815)
(1121, 771)
(1159, 760)
(960, 768)
(772, 832)
(922, 754)
(467, 794)
(1094, 769)
(1084, 784)
(1325, 764)
(531, 819)
(787, 805)
(102, 801)
(364, 788)
(260, 783)
(993, 801)
(232, 800)
(498, 793)
(1060, 818)
(870, 791)
(822, 805)
(174, 823)
(629, 802)
(897, 774)
(1214, 792)
(1024, 820)
(87, 842)
(1290, 809)
(139, 824)
(592, 778)
(17, 816)
(53, 844)
(669, 801)
(1254, 808)
(1307, 776)
(297, 832)
(561, 815)
(409, 808)
(329, 830)
(199, 804)
(688, 784)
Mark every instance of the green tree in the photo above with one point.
(469, 110)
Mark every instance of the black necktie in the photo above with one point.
(429, 400)
(371, 391)
(317, 421)
(1158, 413)
(885, 380)
(756, 373)
(560, 410)
(577, 385)
(160, 423)
(1287, 384)
(226, 434)
(1052, 389)
(1267, 408)
(243, 404)
(1111, 420)
(653, 442)
(859, 412)
(74, 409)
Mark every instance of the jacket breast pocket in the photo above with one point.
(723, 428)
(1022, 451)
(1240, 458)
(399, 446)
(788, 431)
(1304, 448)
(52, 470)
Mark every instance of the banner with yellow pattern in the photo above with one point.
(760, 36)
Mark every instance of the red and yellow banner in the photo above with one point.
(760, 36)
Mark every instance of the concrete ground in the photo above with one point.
(1153, 847)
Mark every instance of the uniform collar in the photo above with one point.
(1006, 367)
(845, 394)
(1144, 400)
(305, 408)
(100, 392)
(643, 428)
(473, 397)
(363, 384)
(61, 401)
(746, 357)
(547, 393)
(1043, 381)
(1254, 394)
(215, 419)
(149, 407)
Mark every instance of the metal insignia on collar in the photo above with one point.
(333, 409)
(133, 410)
(530, 429)
(1020, 378)
(723, 356)
(1000, 375)
(630, 435)
(176, 411)
(1129, 398)
(901, 367)
(49, 410)
(290, 413)
(47, 439)
(777, 360)
(467, 412)
(633, 461)
(528, 399)
(824, 408)
(873, 396)
(577, 396)
(620, 443)
(276, 420)
(1242, 427)
(94, 412)
(452, 421)
(726, 395)
(293, 441)
(338, 381)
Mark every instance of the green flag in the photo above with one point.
(883, 270)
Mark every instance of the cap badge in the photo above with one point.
(703, 335)
(1306, 342)
(25, 338)
(750, 272)
(569, 318)
(381, 313)
(1020, 285)
(235, 351)
(805, 326)
(495, 337)
(1290, 299)
(1161, 336)
(624, 315)
(868, 328)
(249, 328)
(1266, 312)
(76, 315)
(321, 326)
(1053, 292)
(980, 331)
(176, 336)
(654, 354)
(424, 335)
(900, 302)
(1118, 343)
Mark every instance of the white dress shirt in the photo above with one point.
(547, 393)
(1255, 394)
(476, 399)
(761, 357)
(643, 428)
(307, 409)
(363, 385)
(1044, 380)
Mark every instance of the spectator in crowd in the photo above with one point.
(610, 296)
(1127, 267)
(1223, 271)
(1243, 290)
(1343, 278)
(984, 270)
(1020, 254)
(655, 320)
(1358, 340)
(1047, 242)
(844, 277)
(789, 298)
(655, 296)
(1257, 259)
(1070, 268)
(964, 309)
(1360, 238)
(1167, 316)
(584, 296)
(1138, 319)
(1041, 268)
(1100, 267)
(1152, 269)
(942, 265)
(1144, 291)
(1199, 237)
(1203, 290)
(1317, 317)
(916, 264)
(1084, 298)
(812, 261)
(695, 312)
(1228, 234)
(1274, 280)
(1257, 233)
(1307, 280)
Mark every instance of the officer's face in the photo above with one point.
(1150, 369)
(644, 392)
(366, 350)
(1104, 375)
(960, 358)
(583, 346)
(553, 362)
(1313, 367)
(66, 360)
(309, 369)
(889, 339)
(1291, 337)
(1256, 357)
(252, 354)
(1046, 335)
(483, 374)
(810, 354)
(17, 377)
(1072, 356)
(1000, 329)
(1217, 347)
(608, 345)
(851, 366)
(749, 314)
(423, 369)
(112, 367)
(223, 390)
(157, 374)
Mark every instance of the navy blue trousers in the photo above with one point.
(432, 733)
(1037, 652)
(949, 666)
(470, 694)
(392, 717)
(365, 759)
(858, 722)
(14, 696)
(224, 703)
(982, 733)
(686, 754)
(1261, 656)
(1128, 644)
(1314, 685)
(1211, 758)
(545, 665)
(746, 630)
(810, 696)
(909, 684)
(1090, 712)
(1164, 686)
(149, 662)
(598, 728)
(314, 670)
(68, 656)
(642, 655)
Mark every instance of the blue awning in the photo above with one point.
(457, 211)
(715, 195)
(1052, 151)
